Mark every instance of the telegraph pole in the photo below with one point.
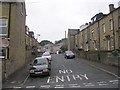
(65, 34)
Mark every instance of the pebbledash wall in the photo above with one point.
(15, 13)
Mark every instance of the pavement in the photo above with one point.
(114, 70)
(21, 75)
(18, 77)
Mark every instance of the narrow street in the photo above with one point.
(67, 73)
(37, 38)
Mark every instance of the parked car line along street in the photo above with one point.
(81, 75)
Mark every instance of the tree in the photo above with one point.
(64, 48)
(59, 41)
(44, 42)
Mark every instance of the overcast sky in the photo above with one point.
(51, 18)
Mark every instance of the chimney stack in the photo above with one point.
(111, 7)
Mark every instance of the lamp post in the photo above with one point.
(38, 36)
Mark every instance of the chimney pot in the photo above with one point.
(86, 23)
(111, 7)
(89, 23)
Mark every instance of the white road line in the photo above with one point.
(90, 85)
(72, 84)
(113, 80)
(30, 86)
(45, 86)
(17, 87)
(59, 87)
(105, 71)
(103, 84)
(75, 86)
(87, 83)
(115, 83)
(25, 79)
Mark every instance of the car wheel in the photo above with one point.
(31, 75)
(49, 73)
(50, 69)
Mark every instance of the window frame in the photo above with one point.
(92, 33)
(104, 27)
(3, 26)
(111, 24)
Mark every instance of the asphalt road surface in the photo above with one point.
(69, 73)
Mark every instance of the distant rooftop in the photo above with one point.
(73, 31)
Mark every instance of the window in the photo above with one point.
(103, 27)
(2, 53)
(3, 27)
(111, 24)
(103, 44)
(92, 33)
(112, 43)
(86, 47)
(108, 44)
(94, 45)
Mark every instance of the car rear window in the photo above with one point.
(46, 54)
(40, 62)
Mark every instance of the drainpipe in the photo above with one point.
(113, 32)
(111, 8)
(98, 41)
(74, 44)
(7, 49)
(9, 19)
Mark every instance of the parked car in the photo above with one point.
(43, 58)
(47, 55)
(40, 66)
(69, 54)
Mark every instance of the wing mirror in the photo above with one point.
(47, 59)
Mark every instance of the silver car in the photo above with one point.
(40, 66)
(47, 55)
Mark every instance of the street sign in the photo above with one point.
(4, 42)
